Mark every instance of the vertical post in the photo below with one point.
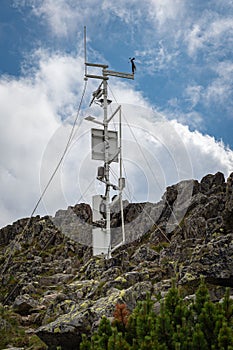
(120, 194)
(106, 162)
(85, 49)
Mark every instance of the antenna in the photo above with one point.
(107, 147)
(85, 48)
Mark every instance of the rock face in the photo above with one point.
(53, 283)
(75, 223)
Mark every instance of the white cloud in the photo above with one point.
(157, 153)
(191, 117)
(193, 94)
(59, 14)
(220, 27)
(220, 89)
(164, 10)
(63, 17)
(156, 58)
(122, 92)
(194, 39)
(59, 77)
(26, 124)
(209, 33)
(30, 108)
(207, 155)
(33, 139)
(128, 12)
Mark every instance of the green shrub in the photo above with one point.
(180, 325)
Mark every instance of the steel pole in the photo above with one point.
(106, 161)
(121, 189)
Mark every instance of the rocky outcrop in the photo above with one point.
(54, 284)
(75, 223)
(24, 304)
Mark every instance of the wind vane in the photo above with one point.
(133, 66)
(107, 147)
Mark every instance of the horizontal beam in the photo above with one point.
(96, 65)
(119, 74)
(96, 76)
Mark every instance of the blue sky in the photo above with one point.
(183, 52)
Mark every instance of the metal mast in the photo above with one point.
(106, 146)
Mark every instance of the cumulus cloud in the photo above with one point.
(59, 78)
(26, 124)
(207, 155)
(33, 137)
(156, 154)
(31, 107)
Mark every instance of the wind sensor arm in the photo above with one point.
(107, 73)
(119, 74)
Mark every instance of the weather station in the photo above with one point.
(106, 146)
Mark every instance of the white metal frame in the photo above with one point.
(106, 232)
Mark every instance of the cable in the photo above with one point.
(114, 124)
(64, 152)
(149, 216)
(140, 148)
(82, 194)
(49, 182)
(135, 139)
(128, 188)
(116, 179)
